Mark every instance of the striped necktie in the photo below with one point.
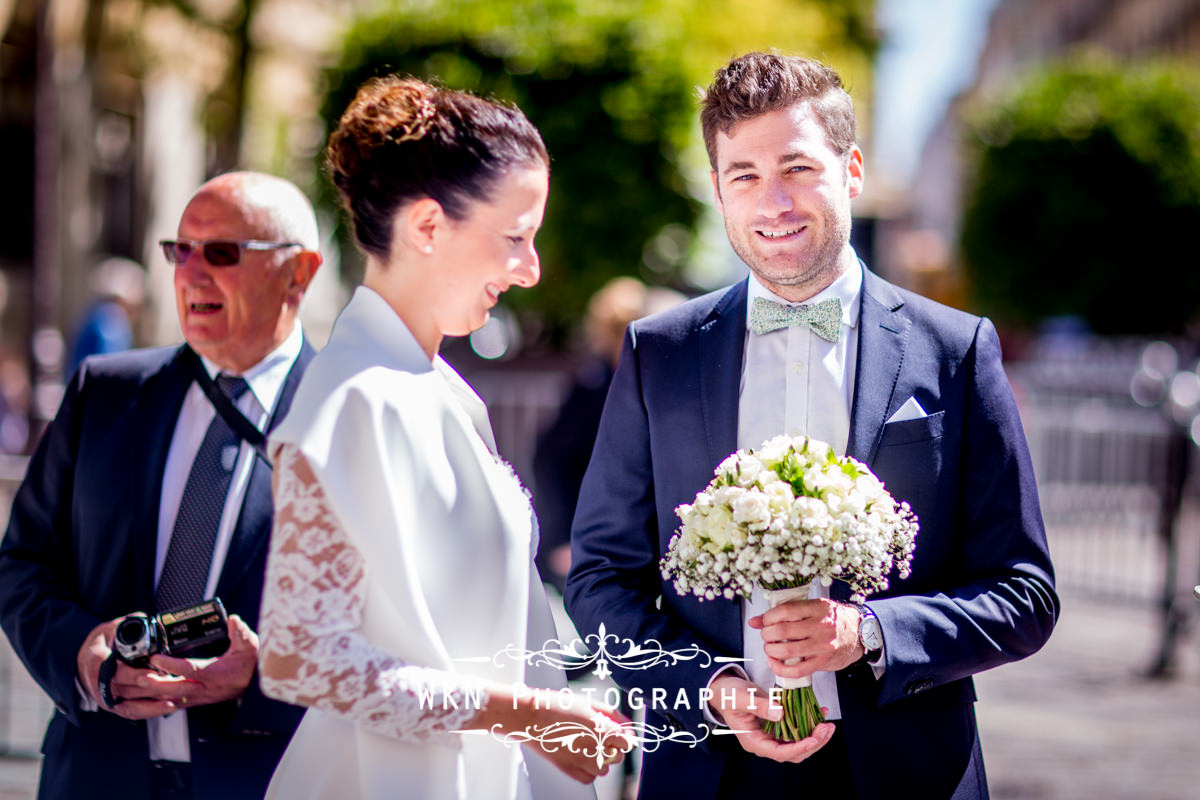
(189, 556)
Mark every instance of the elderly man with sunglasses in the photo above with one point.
(147, 493)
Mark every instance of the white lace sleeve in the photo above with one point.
(313, 651)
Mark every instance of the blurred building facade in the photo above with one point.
(1113, 473)
(112, 112)
(917, 240)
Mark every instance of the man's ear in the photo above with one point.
(716, 182)
(304, 269)
(854, 172)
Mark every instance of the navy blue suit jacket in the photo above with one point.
(981, 591)
(80, 549)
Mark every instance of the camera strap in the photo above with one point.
(234, 418)
(108, 670)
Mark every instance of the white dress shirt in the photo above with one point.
(794, 382)
(169, 734)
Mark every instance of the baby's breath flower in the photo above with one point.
(756, 525)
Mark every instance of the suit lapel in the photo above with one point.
(722, 347)
(155, 411)
(883, 339)
(721, 350)
(257, 505)
(882, 342)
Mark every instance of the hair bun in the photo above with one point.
(396, 110)
(385, 111)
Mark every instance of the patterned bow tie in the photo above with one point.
(825, 317)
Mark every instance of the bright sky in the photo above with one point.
(929, 54)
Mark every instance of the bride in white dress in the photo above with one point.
(400, 562)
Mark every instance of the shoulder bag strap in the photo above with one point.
(225, 407)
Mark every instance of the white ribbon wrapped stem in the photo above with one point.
(778, 597)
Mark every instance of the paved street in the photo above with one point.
(18, 778)
(1078, 721)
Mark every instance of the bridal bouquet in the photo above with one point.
(779, 517)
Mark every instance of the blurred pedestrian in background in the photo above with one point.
(564, 447)
(14, 390)
(119, 290)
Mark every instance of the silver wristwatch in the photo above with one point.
(870, 634)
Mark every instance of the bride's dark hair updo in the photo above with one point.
(402, 139)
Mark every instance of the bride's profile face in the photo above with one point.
(490, 251)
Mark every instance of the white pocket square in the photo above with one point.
(910, 410)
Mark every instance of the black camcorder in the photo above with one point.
(199, 630)
(195, 631)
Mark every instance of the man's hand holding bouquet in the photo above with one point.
(780, 517)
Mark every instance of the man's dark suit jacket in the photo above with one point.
(981, 591)
(80, 549)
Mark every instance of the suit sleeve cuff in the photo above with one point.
(86, 701)
(709, 716)
(879, 665)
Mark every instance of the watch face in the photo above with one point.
(870, 634)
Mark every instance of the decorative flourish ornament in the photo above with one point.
(600, 741)
(577, 654)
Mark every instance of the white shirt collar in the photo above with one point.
(846, 288)
(267, 376)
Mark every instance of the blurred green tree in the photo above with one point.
(611, 86)
(1086, 200)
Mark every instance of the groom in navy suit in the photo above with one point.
(121, 511)
(812, 343)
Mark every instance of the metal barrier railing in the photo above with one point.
(1119, 499)
(1100, 470)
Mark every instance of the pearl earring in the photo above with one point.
(428, 248)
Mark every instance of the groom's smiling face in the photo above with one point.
(785, 196)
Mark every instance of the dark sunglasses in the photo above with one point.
(218, 252)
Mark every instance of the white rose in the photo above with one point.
(728, 467)
(767, 477)
(842, 483)
(884, 505)
(869, 487)
(753, 510)
(817, 450)
(726, 496)
(716, 525)
(808, 509)
(816, 480)
(780, 496)
(749, 468)
(774, 450)
(854, 503)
